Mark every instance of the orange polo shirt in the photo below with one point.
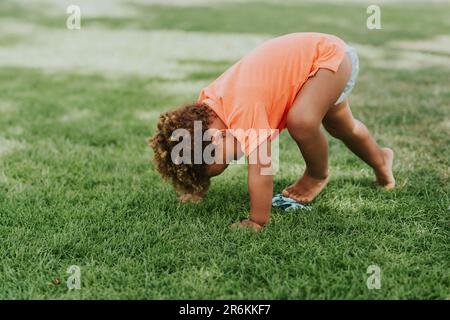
(257, 92)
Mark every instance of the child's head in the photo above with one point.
(191, 180)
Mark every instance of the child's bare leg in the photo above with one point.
(340, 123)
(304, 120)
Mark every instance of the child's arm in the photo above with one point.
(260, 187)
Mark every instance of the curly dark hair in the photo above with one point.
(189, 180)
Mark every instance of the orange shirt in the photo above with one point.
(258, 91)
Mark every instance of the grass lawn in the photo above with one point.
(77, 186)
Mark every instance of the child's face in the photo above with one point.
(226, 150)
(215, 169)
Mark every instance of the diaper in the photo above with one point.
(351, 52)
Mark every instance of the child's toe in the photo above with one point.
(286, 193)
(295, 197)
(304, 200)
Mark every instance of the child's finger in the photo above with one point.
(247, 224)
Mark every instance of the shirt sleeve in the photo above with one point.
(330, 54)
(249, 124)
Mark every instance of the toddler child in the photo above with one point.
(297, 81)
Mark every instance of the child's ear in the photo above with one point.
(218, 136)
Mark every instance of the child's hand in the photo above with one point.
(246, 224)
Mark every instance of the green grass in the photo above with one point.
(84, 192)
(399, 21)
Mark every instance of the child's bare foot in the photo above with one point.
(385, 177)
(305, 189)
